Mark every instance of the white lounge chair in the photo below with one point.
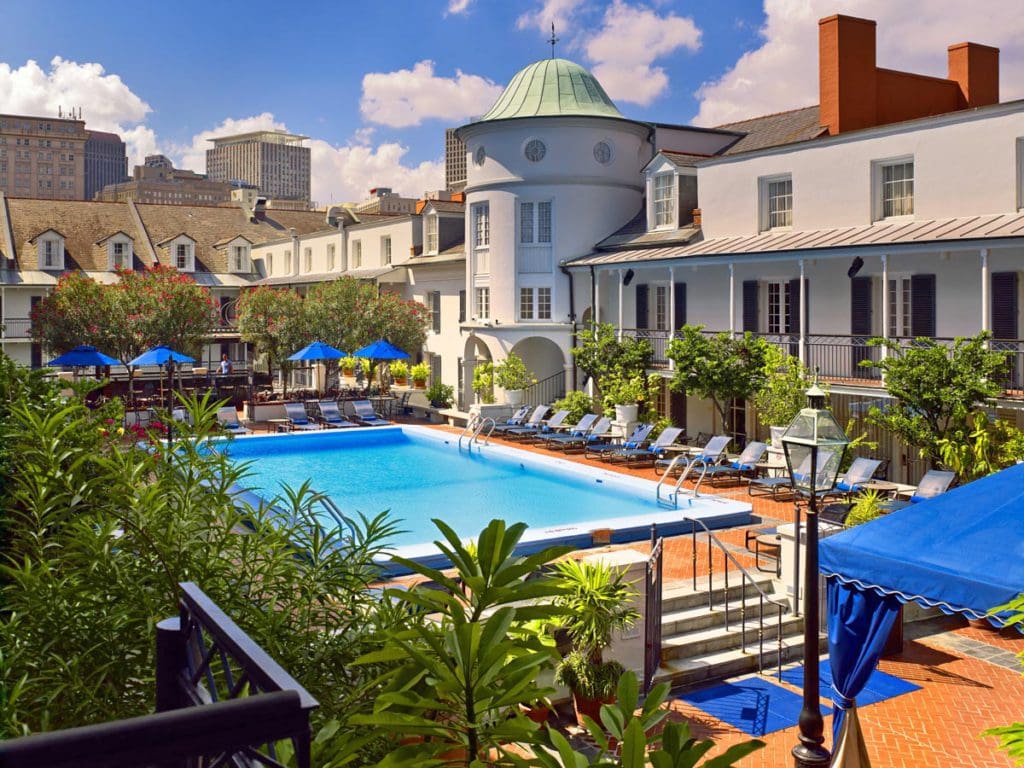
(366, 415)
(228, 418)
(330, 415)
(297, 418)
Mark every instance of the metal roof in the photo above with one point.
(552, 87)
(881, 233)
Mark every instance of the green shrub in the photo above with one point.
(440, 395)
(399, 369)
(483, 382)
(420, 372)
(578, 404)
(511, 373)
(867, 507)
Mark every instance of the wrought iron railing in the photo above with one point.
(16, 328)
(843, 358)
(658, 339)
(546, 390)
(220, 700)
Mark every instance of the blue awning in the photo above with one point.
(962, 551)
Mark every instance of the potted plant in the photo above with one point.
(348, 365)
(440, 395)
(783, 394)
(597, 602)
(511, 375)
(483, 382)
(623, 394)
(420, 373)
(400, 372)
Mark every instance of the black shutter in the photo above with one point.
(750, 318)
(1004, 305)
(860, 324)
(922, 305)
(642, 300)
(793, 320)
(435, 308)
(680, 298)
(462, 306)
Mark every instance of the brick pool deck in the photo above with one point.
(968, 673)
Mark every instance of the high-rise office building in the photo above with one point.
(106, 161)
(42, 157)
(454, 161)
(275, 162)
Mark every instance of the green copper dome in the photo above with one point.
(553, 87)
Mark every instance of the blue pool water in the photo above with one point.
(419, 474)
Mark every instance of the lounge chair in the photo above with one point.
(228, 418)
(330, 415)
(934, 483)
(365, 414)
(533, 421)
(598, 433)
(773, 486)
(536, 433)
(860, 472)
(652, 452)
(578, 429)
(636, 439)
(745, 465)
(711, 453)
(515, 420)
(297, 418)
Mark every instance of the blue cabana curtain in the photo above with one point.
(859, 623)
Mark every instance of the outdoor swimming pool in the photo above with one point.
(419, 473)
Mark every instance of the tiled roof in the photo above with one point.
(634, 234)
(446, 206)
(682, 159)
(776, 129)
(879, 234)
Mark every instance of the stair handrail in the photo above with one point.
(695, 461)
(471, 424)
(480, 429)
(664, 477)
(763, 597)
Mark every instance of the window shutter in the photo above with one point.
(642, 298)
(462, 306)
(750, 318)
(1004, 305)
(680, 298)
(435, 306)
(922, 305)
(860, 306)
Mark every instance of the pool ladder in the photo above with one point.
(672, 498)
(474, 428)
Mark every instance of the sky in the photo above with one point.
(374, 85)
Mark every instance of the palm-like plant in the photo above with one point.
(597, 603)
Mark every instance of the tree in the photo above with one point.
(720, 368)
(273, 320)
(332, 309)
(988, 447)
(604, 357)
(935, 389)
(784, 392)
(387, 316)
(77, 311)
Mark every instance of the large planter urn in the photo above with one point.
(625, 414)
(514, 397)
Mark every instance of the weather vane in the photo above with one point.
(553, 40)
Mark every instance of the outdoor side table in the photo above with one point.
(281, 425)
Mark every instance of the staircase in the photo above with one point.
(698, 649)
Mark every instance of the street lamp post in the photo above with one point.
(814, 445)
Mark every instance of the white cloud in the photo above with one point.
(407, 97)
(140, 141)
(783, 74)
(557, 12)
(339, 174)
(631, 39)
(456, 7)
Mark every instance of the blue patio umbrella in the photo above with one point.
(318, 351)
(84, 356)
(161, 355)
(382, 349)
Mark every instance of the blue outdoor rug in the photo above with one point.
(755, 705)
(879, 688)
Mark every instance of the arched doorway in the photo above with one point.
(476, 352)
(545, 359)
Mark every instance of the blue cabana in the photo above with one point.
(962, 552)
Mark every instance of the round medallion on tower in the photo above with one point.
(535, 150)
(603, 152)
(480, 156)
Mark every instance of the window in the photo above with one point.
(535, 222)
(1020, 172)
(664, 200)
(483, 303)
(603, 152)
(480, 156)
(526, 303)
(357, 254)
(51, 254)
(288, 261)
(330, 256)
(435, 310)
(385, 250)
(307, 259)
(778, 307)
(183, 257)
(897, 188)
(432, 234)
(239, 258)
(535, 150)
(661, 307)
(777, 203)
(462, 306)
(270, 263)
(899, 306)
(481, 225)
(543, 303)
(120, 255)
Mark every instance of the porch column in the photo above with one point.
(622, 292)
(885, 303)
(732, 299)
(671, 309)
(986, 316)
(802, 346)
(597, 298)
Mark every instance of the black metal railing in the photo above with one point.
(545, 390)
(220, 700)
(658, 339)
(652, 614)
(843, 358)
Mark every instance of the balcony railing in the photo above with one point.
(658, 339)
(546, 390)
(220, 700)
(19, 328)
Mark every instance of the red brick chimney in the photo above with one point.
(847, 73)
(975, 68)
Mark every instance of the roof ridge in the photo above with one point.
(770, 114)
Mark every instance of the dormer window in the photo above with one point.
(239, 258)
(664, 200)
(431, 235)
(120, 253)
(183, 254)
(51, 251)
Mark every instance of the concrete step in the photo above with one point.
(694, 618)
(712, 638)
(680, 595)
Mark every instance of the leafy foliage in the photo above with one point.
(511, 373)
(604, 357)
(720, 368)
(784, 392)
(273, 321)
(578, 404)
(984, 447)
(440, 395)
(935, 388)
(1011, 737)
(461, 675)
(483, 382)
(866, 508)
(597, 602)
